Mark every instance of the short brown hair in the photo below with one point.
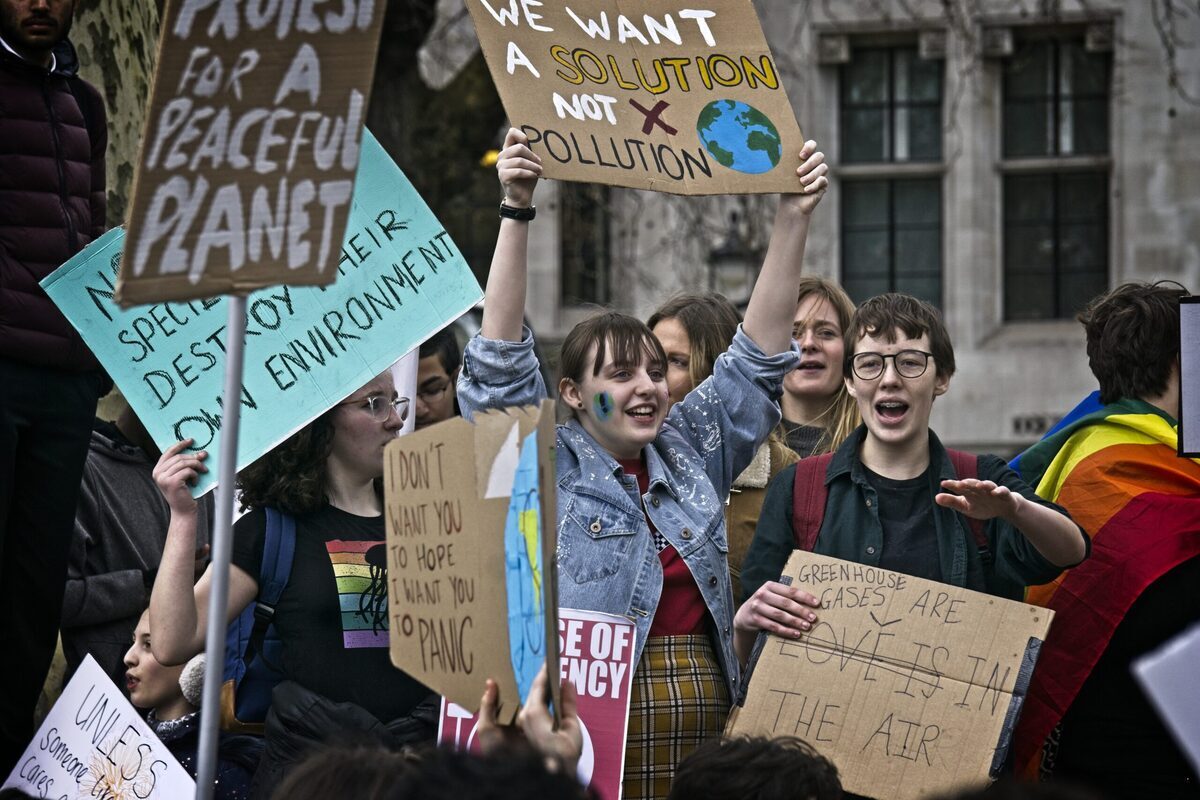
(628, 336)
(1133, 338)
(292, 477)
(710, 322)
(885, 314)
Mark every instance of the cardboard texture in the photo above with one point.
(249, 151)
(306, 348)
(654, 94)
(911, 687)
(93, 743)
(454, 620)
(596, 655)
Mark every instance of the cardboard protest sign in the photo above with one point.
(93, 743)
(911, 687)
(596, 655)
(662, 95)
(402, 279)
(246, 170)
(471, 522)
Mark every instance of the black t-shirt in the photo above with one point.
(332, 616)
(909, 532)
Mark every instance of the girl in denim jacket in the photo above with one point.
(641, 492)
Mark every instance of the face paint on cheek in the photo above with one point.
(602, 405)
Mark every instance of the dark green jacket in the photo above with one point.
(851, 529)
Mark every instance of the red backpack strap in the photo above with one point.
(808, 499)
(966, 466)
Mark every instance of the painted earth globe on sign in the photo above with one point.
(739, 136)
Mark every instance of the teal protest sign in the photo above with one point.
(400, 280)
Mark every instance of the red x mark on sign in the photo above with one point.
(654, 116)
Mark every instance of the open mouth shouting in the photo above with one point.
(891, 411)
(809, 366)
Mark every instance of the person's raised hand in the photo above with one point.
(813, 173)
(779, 609)
(176, 471)
(979, 499)
(519, 169)
(564, 743)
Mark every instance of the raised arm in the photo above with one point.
(773, 303)
(179, 610)
(504, 309)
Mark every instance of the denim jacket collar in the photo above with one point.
(594, 459)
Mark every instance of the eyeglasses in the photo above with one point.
(432, 395)
(380, 409)
(908, 363)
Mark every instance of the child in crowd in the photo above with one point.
(641, 483)
(171, 698)
(894, 496)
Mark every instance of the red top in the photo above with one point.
(681, 608)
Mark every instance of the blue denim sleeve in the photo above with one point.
(498, 374)
(728, 416)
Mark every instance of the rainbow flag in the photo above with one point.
(1116, 471)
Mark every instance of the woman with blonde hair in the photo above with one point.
(818, 411)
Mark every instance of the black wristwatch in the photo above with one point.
(519, 214)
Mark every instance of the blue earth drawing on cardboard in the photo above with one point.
(523, 572)
(739, 136)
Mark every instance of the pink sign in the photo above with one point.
(595, 654)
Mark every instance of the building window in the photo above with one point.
(892, 238)
(1055, 242)
(1056, 174)
(891, 106)
(891, 154)
(1055, 100)
(585, 223)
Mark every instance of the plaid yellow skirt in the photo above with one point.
(679, 701)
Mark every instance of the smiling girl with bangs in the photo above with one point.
(642, 483)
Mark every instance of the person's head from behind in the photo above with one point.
(437, 370)
(756, 768)
(33, 27)
(693, 330)
(152, 685)
(614, 382)
(512, 772)
(898, 358)
(343, 447)
(1133, 342)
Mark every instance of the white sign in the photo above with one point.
(93, 743)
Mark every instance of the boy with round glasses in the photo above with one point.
(896, 498)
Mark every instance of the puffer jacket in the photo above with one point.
(51, 201)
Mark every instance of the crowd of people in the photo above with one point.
(698, 449)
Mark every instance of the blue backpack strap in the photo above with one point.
(279, 550)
